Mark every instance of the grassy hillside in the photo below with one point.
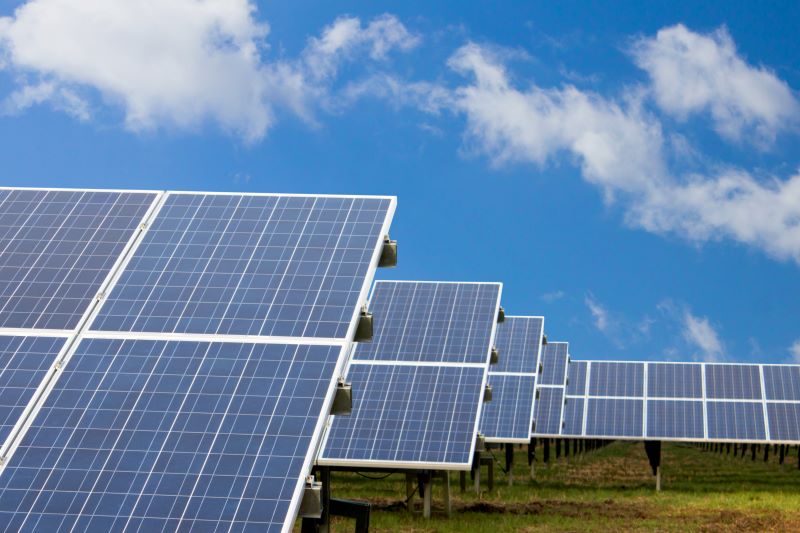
(611, 489)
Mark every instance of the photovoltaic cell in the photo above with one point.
(674, 380)
(784, 421)
(734, 382)
(548, 411)
(56, 249)
(408, 414)
(735, 420)
(432, 321)
(679, 419)
(508, 415)
(24, 361)
(518, 340)
(616, 379)
(554, 363)
(576, 378)
(782, 382)
(290, 266)
(614, 417)
(573, 416)
(169, 435)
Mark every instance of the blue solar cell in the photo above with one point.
(616, 379)
(508, 416)
(518, 340)
(24, 361)
(431, 321)
(408, 414)
(251, 265)
(674, 380)
(576, 378)
(614, 417)
(784, 421)
(56, 250)
(678, 419)
(573, 416)
(735, 420)
(548, 411)
(554, 363)
(733, 382)
(170, 435)
(782, 382)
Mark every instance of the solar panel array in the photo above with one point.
(548, 407)
(195, 392)
(683, 401)
(418, 386)
(509, 416)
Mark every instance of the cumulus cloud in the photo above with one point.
(177, 63)
(599, 314)
(794, 350)
(692, 72)
(619, 147)
(699, 332)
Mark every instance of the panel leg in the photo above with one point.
(427, 498)
(462, 481)
(410, 492)
(510, 463)
(446, 486)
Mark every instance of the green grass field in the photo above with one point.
(611, 489)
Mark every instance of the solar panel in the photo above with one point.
(678, 419)
(519, 339)
(607, 417)
(508, 417)
(733, 382)
(674, 380)
(554, 363)
(432, 321)
(573, 416)
(24, 361)
(576, 378)
(57, 247)
(407, 415)
(170, 435)
(735, 420)
(266, 265)
(784, 421)
(548, 411)
(616, 379)
(782, 382)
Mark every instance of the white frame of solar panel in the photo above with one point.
(763, 401)
(419, 465)
(85, 331)
(563, 388)
(535, 375)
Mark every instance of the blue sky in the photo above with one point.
(630, 174)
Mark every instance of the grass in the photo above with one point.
(610, 489)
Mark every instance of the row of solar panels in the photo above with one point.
(673, 401)
(168, 360)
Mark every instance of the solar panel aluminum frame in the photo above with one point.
(563, 396)
(499, 440)
(250, 338)
(90, 310)
(419, 465)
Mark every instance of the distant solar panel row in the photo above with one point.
(683, 401)
(549, 405)
(418, 386)
(509, 416)
(202, 433)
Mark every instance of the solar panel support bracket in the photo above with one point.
(388, 257)
(364, 328)
(544, 339)
(501, 315)
(343, 399)
(480, 443)
(487, 393)
(495, 357)
(311, 506)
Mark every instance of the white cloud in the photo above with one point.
(692, 72)
(176, 63)
(599, 314)
(795, 352)
(699, 332)
(619, 147)
(553, 296)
